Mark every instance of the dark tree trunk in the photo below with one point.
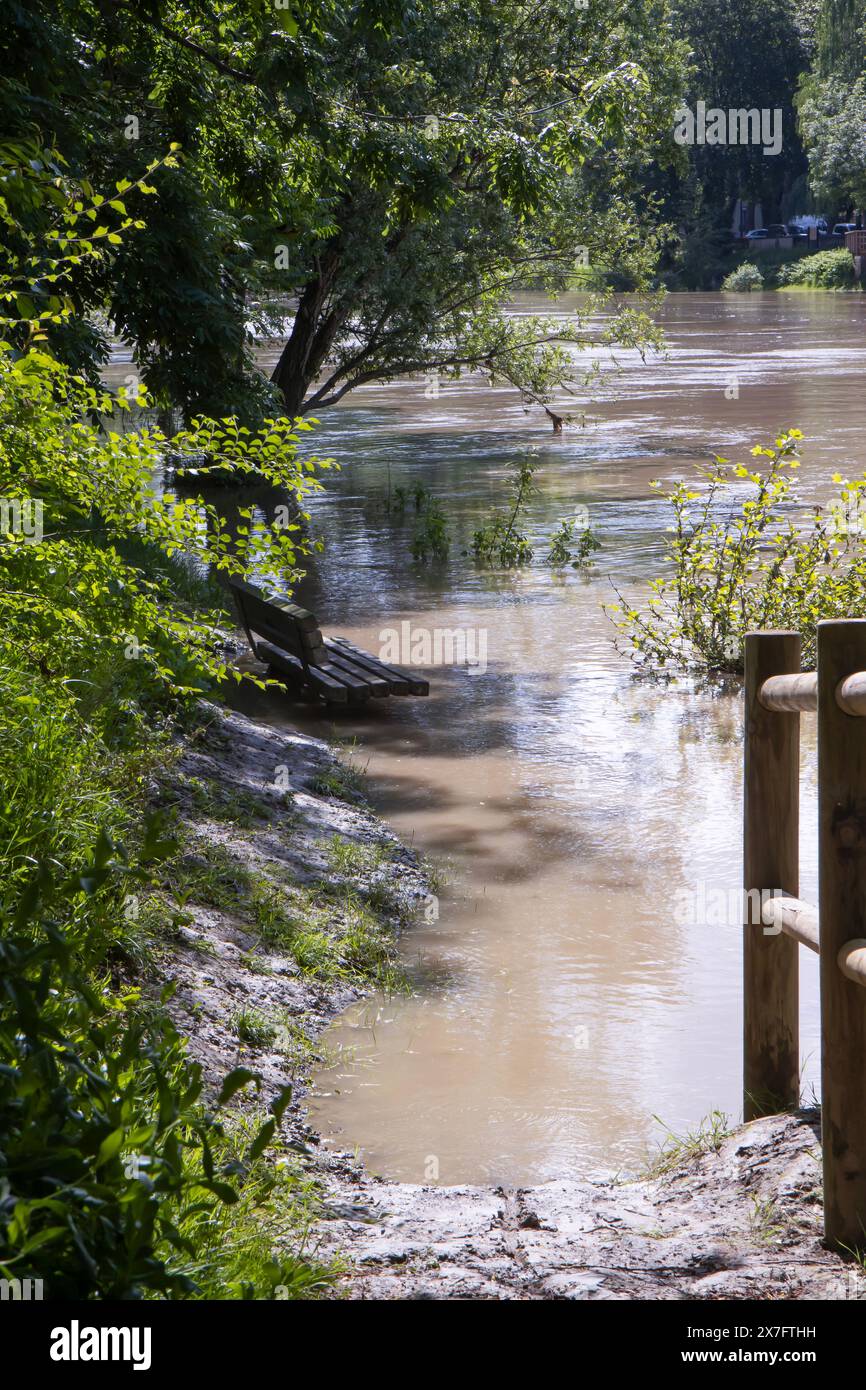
(311, 338)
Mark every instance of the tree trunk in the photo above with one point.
(311, 338)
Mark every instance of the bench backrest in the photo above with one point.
(285, 624)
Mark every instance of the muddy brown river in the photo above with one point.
(579, 990)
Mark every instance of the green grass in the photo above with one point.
(342, 783)
(333, 932)
(235, 806)
(764, 1223)
(252, 1026)
(209, 874)
(280, 1031)
(680, 1149)
(355, 858)
(345, 780)
(257, 1248)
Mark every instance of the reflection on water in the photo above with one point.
(563, 998)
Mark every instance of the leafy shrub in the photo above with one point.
(501, 540)
(746, 277)
(108, 1151)
(567, 535)
(116, 1179)
(430, 538)
(827, 270)
(743, 563)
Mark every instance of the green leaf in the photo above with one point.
(235, 1081)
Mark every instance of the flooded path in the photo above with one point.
(567, 993)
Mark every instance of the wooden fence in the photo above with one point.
(777, 692)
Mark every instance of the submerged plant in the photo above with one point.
(569, 534)
(502, 541)
(430, 540)
(743, 562)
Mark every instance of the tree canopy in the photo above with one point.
(370, 182)
(832, 106)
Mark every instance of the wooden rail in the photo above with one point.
(792, 916)
(776, 693)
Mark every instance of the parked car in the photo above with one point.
(758, 234)
(777, 229)
(842, 227)
(798, 233)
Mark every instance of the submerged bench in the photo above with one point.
(287, 638)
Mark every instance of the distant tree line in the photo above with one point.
(806, 58)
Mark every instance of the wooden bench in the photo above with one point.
(332, 669)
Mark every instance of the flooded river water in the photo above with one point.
(564, 998)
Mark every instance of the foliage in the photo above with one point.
(501, 541)
(743, 563)
(841, 39)
(71, 598)
(430, 535)
(561, 554)
(702, 257)
(398, 173)
(398, 501)
(746, 277)
(745, 56)
(831, 106)
(430, 539)
(111, 1163)
(826, 270)
(831, 116)
(115, 1175)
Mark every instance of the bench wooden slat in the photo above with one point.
(379, 687)
(416, 684)
(358, 689)
(326, 685)
(302, 616)
(396, 684)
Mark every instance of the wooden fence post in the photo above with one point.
(842, 906)
(771, 819)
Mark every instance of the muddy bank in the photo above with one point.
(292, 895)
(742, 1222)
(316, 871)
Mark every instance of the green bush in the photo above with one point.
(740, 563)
(746, 277)
(117, 1180)
(501, 541)
(826, 270)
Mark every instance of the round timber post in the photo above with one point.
(771, 822)
(842, 908)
